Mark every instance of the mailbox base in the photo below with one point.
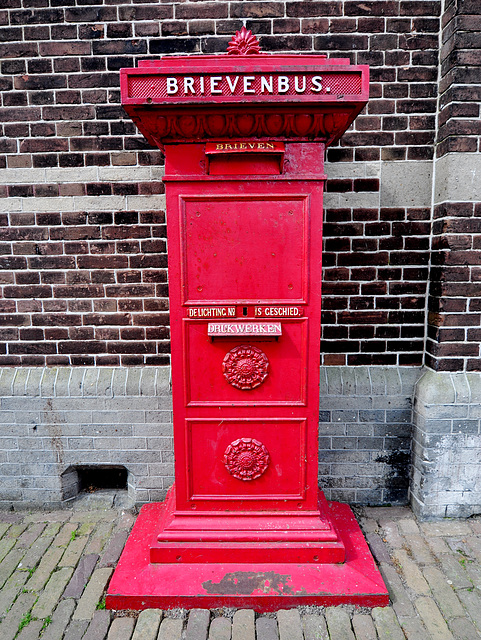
(250, 538)
(139, 583)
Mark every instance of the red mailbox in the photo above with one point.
(245, 524)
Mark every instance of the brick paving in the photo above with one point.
(55, 568)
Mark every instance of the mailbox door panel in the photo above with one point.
(217, 475)
(244, 248)
(280, 378)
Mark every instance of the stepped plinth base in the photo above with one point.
(279, 574)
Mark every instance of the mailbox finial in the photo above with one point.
(243, 43)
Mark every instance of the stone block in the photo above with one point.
(197, 624)
(314, 627)
(406, 184)
(289, 622)
(266, 629)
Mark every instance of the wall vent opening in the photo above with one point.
(93, 478)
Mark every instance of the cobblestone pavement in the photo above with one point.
(55, 567)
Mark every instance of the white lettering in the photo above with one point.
(172, 86)
(214, 81)
(296, 84)
(189, 85)
(232, 85)
(316, 84)
(202, 88)
(267, 84)
(282, 84)
(248, 80)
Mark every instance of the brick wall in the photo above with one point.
(54, 420)
(454, 318)
(83, 276)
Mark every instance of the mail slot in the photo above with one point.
(244, 138)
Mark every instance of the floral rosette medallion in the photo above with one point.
(245, 367)
(246, 459)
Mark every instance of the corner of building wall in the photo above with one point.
(445, 479)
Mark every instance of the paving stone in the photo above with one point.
(408, 527)
(147, 623)
(314, 627)
(4, 526)
(5, 545)
(266, 629)
(121, 629)
(411, 572)
(339, 624)
(220, 629)
(460, 548)
(368, 525)
(378, 548)
(473, 571)
(475, 524)
(81, 576)
(432, 618)
(50, 516)
(73, 552)
(388, 513)
(16, 530)
(97, 515)
(170, 629)
(126, 521)
(64, 536)
(392, 536)
(9, 564)
(114, 549)
(76, 630)
(454, 571)
(99, 626)
(92, 594)
(44, 569)
(10, 590)
(446, 528)
(32, 631)
(472, 603)
(363, 626)
(49, 597)
(437, 545)
(399, 597)
(60, 619)
(387, 625)
(243, 625)
(52, 529)
(99, 538)
(8, 516)
(413, 629)
(197, 624)
(443, 593)
(419, 550)
(29, 536)
(11, 622)
(463, 629)
(474, 545)
(86, 528)
(35, 553)
(289, 622)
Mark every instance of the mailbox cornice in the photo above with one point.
(200, 98)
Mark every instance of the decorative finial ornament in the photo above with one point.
(243, 44)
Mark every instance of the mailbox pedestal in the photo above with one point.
(245, 524)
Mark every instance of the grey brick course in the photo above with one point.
(59, 419)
